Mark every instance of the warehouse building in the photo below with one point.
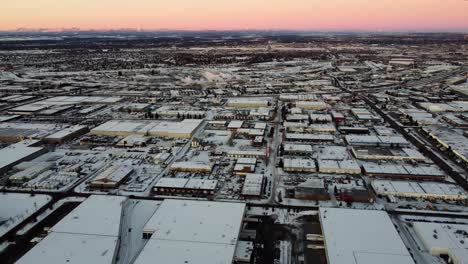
(322, 128)
(196, 187)
(82, 236)
(425, 190)
(246, 154)
(403, 171)
(67, 134)
(183, 129)
(191, 166)
(184, 231)
(111, 177)
(310, 137)
(299, 165)
(320, 118)
(387, 141)
(353, 130)
(235, 125)
(338, 166)
(298, 97)
(369, 153)
(170, 111)
(312, 105)
(362, 114)
(353, 236)
(253, 185)
(442, 239)
(17, 153)
(247, 102)
(311, 189)
(245, 166)
(30, 173)
(297, 149)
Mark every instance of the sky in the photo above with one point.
(349, 15)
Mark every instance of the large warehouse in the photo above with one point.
(83, 236)
(444, 240)
(197, 232)
(426, 190)
(355, 236)
(16, 153)
(183, 129)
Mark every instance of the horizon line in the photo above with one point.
(75, 29)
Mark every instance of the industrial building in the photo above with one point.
(253, 185)
(403, 171)
(190, 166)
(372, 153)
(183, 129)
(425, 190)
(443, 239)
(247, 102)
(354, 236)
(184, 231)
(297, 149)
(246, 154)
(312, 105)
(89, 234)
(111, 177)
(245, 166)
(311, 189)
(30, 172)
(310, 137)
(197, 187)
(66, 134)
(299, 165)
(17, 153)
(388, 141)
(339, 166)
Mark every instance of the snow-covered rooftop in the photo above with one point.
(83, 236)
(196, 232)
(361, 237)
(444, 239)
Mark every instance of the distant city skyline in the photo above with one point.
(332, 15)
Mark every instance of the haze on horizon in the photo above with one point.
(367, 15)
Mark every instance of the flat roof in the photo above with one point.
(440, 238)
(320, 137)
(196, 232)
(423, 188)
(16, 152)
(181, 183)
(197, 221)
(361, 237)
(65, 132)
(72, 249)
(253, 184)
(84, 220)
(82, 236)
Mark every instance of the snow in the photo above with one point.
(15, 207)
(13, 153)
(83, 236)
(84, 220)
(361, 237)
(444, 239)
(195, 232)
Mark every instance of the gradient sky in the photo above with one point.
(386, 15)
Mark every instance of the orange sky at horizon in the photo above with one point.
(373, 15)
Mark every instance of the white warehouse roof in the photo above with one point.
(361, 237)
(195, 232)
(83, 236)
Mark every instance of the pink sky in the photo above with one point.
(390, 15)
